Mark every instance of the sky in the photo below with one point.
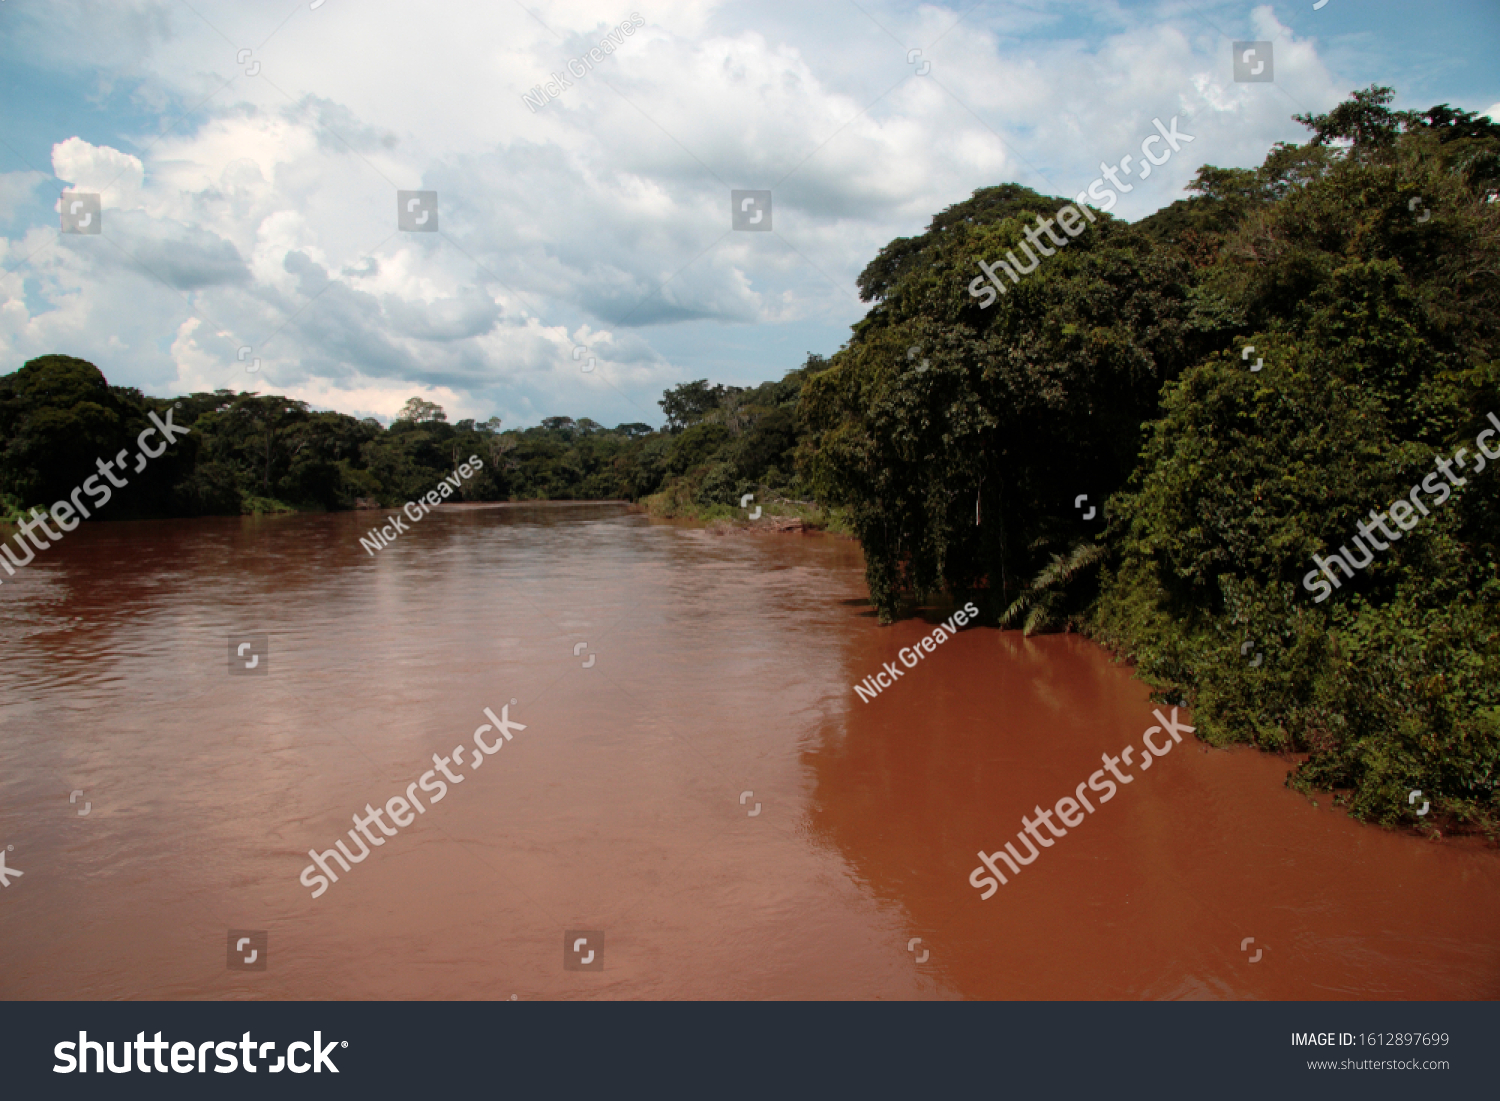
(248, 157)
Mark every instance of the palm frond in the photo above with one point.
(1041, 599)
(1042, 616)
(1017, 606)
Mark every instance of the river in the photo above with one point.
(698, 794)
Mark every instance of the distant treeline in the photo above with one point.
(258, 453)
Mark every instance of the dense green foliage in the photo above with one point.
(1362, 267)
(251, 453)
(728, 441)
(1378, 331)
(939, 410)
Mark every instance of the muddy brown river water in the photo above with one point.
(697, 788)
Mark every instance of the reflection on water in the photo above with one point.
(710, 667)
(1153, 895)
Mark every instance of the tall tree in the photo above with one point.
(270, 417)
(419, 411)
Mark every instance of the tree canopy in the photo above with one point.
(971, 444)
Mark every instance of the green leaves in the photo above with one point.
(938, 407)
(57, 414)
(1046, 601)
(1379, 345)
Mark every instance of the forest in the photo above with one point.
(1147, 441)
(249, 453)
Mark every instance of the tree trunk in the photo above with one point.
(1000, 519)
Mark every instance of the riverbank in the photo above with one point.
(772, 513)
(12, 512)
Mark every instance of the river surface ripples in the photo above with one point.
(696, 781)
